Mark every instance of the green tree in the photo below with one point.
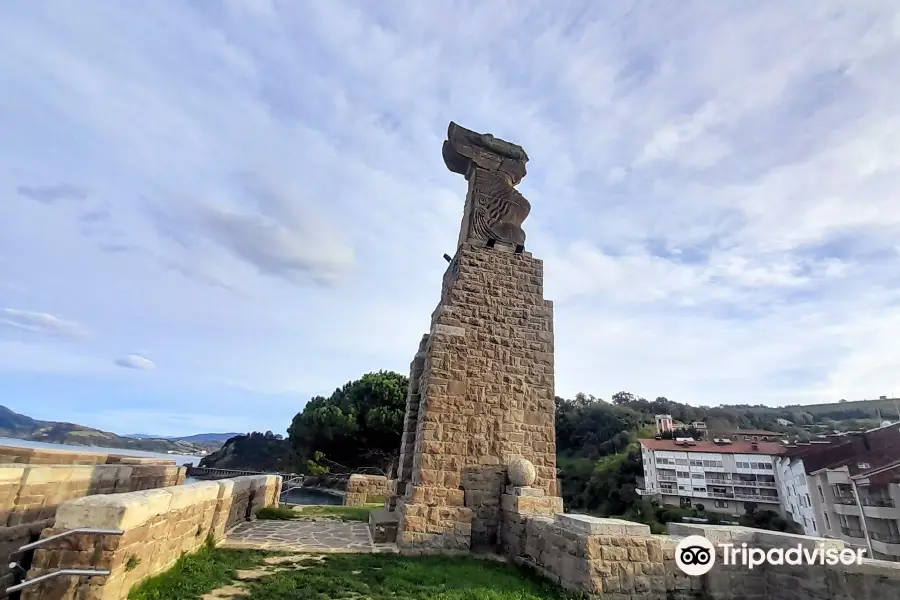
(359, 425)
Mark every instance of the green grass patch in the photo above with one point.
(349, 576)
(390, 577)
(276, 513)
(197, 574)
(345, 513)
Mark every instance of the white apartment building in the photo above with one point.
(847, 488)
(722, 474)
(794, 487)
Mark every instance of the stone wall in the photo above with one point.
(31, 494)
(159, 526)
(48, 456)
(871, 580)
(485, 396)
(621, 560)
(362, 488)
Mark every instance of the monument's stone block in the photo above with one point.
(481, 386)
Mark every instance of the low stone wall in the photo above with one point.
(159, 526)
(871, 580)
(45, 456)
(621, 560)
(31, 494)
(362, 489)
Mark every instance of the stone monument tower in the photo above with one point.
(481, 392)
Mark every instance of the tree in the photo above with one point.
(359, 425)
(255, 451)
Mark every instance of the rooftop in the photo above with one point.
(745, 431)
(740, 447)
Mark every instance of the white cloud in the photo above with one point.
(40, 323)
(712, 187)
(136, 361)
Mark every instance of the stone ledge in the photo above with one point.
(599, 526)
(115, 511)
(516, 490)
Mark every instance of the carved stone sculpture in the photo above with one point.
(495, 210)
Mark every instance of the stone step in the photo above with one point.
(383, 526)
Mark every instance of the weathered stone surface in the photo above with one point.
(383, 526)
(481, 385)
(494, 209)
(361, 489)
(600, 526)
(521, 472)
(159, 526)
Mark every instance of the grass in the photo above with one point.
(197, 574)
(350, 576)
(344, 513)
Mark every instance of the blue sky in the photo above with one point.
(212, 211)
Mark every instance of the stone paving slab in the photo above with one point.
(317, 536)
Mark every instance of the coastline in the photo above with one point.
(180, 459)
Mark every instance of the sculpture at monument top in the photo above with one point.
(495, 210)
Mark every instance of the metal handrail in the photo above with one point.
(51, 575)
(88, 530)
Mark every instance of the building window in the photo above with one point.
(696, 475)
(696, 463)
(814, 526)
(683, 474)
(721, 504)
(821, 493)
(681, 461)
(808, 501)
(827, 521)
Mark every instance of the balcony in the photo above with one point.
(854, 533)
(888, 538)
(667, 478)
(755, 497)
(887, 544)
(721, 494)
(844, 499)
(881, 502)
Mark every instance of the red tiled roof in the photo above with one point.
(701, 446)
(887, 476)
(877, 448)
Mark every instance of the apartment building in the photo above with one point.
(846, 487)
(724, 475)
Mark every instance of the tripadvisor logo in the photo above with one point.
(695, 555)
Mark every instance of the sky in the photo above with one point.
(212, 211)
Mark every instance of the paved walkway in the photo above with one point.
(304, 536)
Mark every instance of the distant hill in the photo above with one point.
(254, 451)
(22, 427)
(197, 437)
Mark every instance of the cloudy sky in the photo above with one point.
(211, 211)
